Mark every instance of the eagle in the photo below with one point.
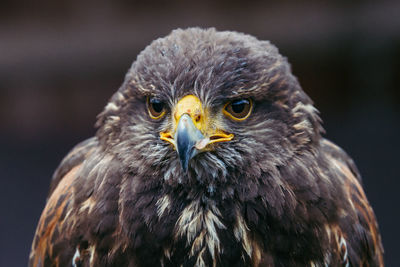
(209, 154)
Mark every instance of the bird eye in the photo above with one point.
(156, 108)
(238, 109)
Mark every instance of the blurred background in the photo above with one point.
(60, 61)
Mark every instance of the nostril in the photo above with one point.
(197, 117)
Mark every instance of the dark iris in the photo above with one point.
(238, 109)
(157, 105)
(156, 108)
(239, 105)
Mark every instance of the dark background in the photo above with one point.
(60, 61)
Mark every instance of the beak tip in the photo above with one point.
(184, 163)
(185, 156)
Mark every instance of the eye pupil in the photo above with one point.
(156, 108)
(239, 105)
(238, 109)
(157, 105)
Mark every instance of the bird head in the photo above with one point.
(208, 107)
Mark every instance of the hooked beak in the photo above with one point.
(194, 130)
(186, 138)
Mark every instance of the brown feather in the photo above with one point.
(51, 219)
(277, 194)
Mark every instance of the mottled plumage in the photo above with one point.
(263, 189)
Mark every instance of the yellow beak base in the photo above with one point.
(192, 106)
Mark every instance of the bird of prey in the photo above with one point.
(209, 154)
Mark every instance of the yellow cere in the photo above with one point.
(192, 106)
